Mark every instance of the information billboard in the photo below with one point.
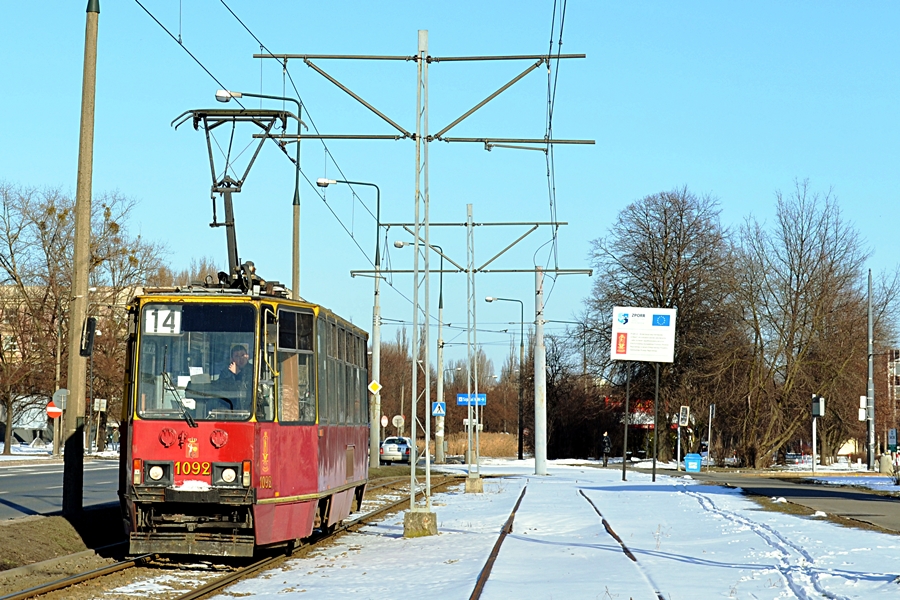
(643, 334)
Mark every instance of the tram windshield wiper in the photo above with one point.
(171, 388)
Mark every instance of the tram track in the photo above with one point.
(612, 533)
(153, 561)
(507, 528)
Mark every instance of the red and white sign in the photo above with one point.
(53, 411)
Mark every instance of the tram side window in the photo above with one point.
(322, 354)
(332, 394)
(351, 376)
(342, 377)
(296, 384)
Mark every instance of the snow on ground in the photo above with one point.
(882, 483)
(25, 451)
(690, 540)
(29, 451)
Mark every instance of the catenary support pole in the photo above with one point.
(521, 438)
(73, 466)
(540, 378)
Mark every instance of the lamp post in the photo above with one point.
(439, 421)
(227, 95)
(375, 413)
(521, 363)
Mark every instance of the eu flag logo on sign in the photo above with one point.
(661, 320)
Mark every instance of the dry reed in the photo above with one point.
(497, 445)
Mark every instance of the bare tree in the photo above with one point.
(801, 286)
(669, 250)
(35, 272)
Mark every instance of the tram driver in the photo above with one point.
(238, 376)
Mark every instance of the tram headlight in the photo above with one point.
(228, 475)
(156, 473)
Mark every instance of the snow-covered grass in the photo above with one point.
(25, 451)
(691, 541)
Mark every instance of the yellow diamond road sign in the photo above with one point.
(374, 387)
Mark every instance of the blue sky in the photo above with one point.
(734, 99)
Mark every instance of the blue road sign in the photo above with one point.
(464, 400)
(438, 409)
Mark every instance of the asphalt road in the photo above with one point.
(848, 502)
(35, 487)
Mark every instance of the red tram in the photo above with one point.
(245, 422)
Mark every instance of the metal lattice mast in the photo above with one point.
(472, 367)
(420, 56)
(423, 49)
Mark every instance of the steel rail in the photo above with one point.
(230, 578)
(489, 564)
(74, 579)
(71, 580)
(616, 537)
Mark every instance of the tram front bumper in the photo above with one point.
(200, 544)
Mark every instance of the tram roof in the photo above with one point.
(201, 293)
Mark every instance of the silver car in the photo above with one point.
(395, 449)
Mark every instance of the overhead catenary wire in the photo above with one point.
(552, 81)
(328, 153)
(178, 41)
(287, 71)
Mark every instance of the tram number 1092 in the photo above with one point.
(189, 467)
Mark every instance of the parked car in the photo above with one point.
(395, 449)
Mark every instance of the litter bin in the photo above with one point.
(692, 463)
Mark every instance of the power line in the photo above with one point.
(549, 153)
(178, 41)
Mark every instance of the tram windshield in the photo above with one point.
(195, 362)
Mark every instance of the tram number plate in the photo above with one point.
(192, 467)
(162, 321)
(265, 481)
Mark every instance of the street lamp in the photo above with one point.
(439, 421)
(225, 96)
(521, 363)
(374, 437)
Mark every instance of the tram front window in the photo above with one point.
(195, 362)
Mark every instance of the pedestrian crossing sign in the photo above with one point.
(438, 409)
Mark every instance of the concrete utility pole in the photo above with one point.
(540, 377)
(73, 469)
